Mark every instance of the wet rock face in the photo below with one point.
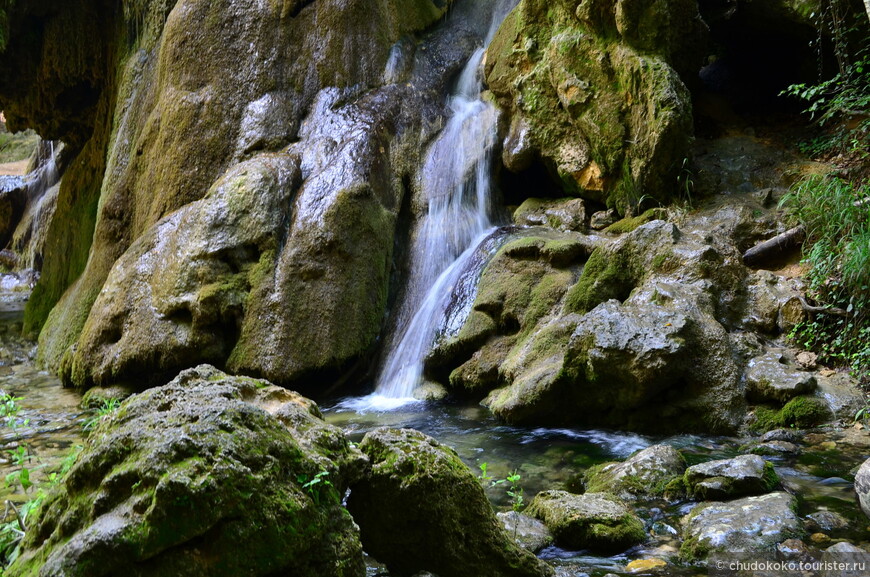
(301, 288)
(596, 521)
(638, 325)
(745, 525)
(422, 509)
(770, 379)
(581, 80)
(204, 475)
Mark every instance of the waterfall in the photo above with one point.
(455, 182)
(41, 187)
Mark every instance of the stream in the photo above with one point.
(50, 423)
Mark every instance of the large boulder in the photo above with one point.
(421, 509)
(751, 524)
(646, 473)
(582, 80)
(596, 521)
(636, 341)
(207, 475)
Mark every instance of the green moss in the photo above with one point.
(629, 224)
(693, 550)
(769, 477)
(804, 412)
(675, 489)
(799, 412)
(604, 277)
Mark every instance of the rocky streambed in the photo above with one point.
(187, 476)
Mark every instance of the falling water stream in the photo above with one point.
(456, 184)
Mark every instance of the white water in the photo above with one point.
(39, 208)
(456, 185)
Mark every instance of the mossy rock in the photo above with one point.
(645, 474)
(748, 525)
(205, 475)
(628, 224)
(585, 80)
(729, 478)
(596, 521)
(800, 412)
(422, 509)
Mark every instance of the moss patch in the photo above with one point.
(629, 224)
(800, 412)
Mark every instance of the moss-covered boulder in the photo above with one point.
(592, 92)
(180, 293)
(520, 290)
(421, 509)
(644, 474)
(635, 342)
(596, 521)
(751, 524)
(207, 475)
(800, 412)
(729, 478)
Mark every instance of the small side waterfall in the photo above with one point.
(456, 184)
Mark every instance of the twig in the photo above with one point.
(823, 310)
(17, 514)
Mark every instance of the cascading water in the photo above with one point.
(456, 186)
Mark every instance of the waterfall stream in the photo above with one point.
(456, 183)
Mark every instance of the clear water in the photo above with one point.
(555, 458)
(47, 425)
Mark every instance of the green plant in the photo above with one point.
(515, 492)
(836, 217)
(845, 95)
(686, 182)
(320, 488)
(107, 407)
(484, 476)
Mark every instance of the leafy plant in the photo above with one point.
(107, 407)
(836, 217)
(320, 488)
(846, 95)
(515, 492)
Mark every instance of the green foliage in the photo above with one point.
(320, 488)
(514, 490)
(107, 407)
(836, 216)
(846, 95)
